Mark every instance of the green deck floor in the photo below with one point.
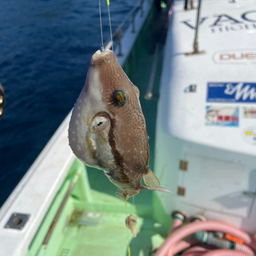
(110, 237)
(93, 223)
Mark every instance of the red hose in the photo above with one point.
(168, 247)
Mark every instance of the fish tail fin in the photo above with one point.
(161, 189)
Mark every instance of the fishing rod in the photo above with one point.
(2, 100)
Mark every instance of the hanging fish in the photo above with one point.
(107, 129)
(131, 223)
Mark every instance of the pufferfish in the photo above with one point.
(107, 129)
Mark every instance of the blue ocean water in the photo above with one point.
(45, 51)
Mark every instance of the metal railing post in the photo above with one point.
(186, 5)
(133, 21)
(141, 8)
(192, 4)
(120, 42)
(129, 16)
(195, 45)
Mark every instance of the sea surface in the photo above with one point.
(45, 51)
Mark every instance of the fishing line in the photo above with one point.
(109, 19)
(102, 46)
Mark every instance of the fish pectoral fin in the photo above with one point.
(151, 180)
(101, 127)
(103, 137)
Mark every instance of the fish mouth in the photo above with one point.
(99, 57)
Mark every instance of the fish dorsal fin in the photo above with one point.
(150, 179)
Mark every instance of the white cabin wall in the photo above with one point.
(215, 181)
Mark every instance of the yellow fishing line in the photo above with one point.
(110, 29)
(129, 249)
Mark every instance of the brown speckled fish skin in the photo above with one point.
(109, 136)
(128, 136)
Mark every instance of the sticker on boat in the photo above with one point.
(230, 57)
(222, 116)
(249, 135)
(249, 112)
(231, 92)
(225, 23)
(191, 88)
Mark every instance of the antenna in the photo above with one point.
(196, 51)
(197, 27)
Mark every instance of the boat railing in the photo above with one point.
(186, 5)
(119, 31)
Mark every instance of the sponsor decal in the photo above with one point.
(241, 57)
(222, 116)
(222, 23)
(190, 88)
(249, 112)
(231, 92)
(249, 135)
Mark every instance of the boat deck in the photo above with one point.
(91, 240)
(92, 221)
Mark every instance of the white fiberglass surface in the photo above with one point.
(207, 113)
(222, 110)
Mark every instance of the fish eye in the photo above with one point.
(120, 98)
(100, 122)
